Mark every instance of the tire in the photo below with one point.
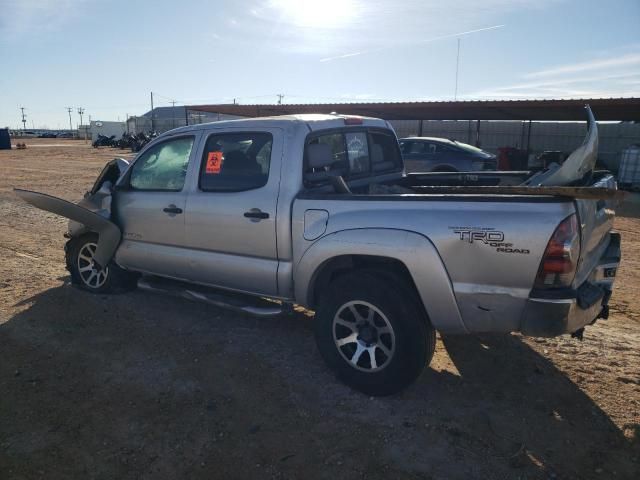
(384, 352)
(112, 279)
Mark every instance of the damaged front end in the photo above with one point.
(91, 214)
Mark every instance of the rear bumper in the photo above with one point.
(553, 313)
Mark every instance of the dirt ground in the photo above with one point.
(142, 386)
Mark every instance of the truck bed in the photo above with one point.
(492, 281)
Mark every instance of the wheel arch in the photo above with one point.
(407, 254)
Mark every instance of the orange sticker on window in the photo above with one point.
(214, 163)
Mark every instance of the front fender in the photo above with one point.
(415, 251)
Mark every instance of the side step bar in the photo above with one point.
(228, 300)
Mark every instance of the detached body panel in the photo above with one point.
(109, 233)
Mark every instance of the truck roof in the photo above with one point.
(315, 121)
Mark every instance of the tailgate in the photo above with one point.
(596, 221)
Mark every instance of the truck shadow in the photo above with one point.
(128, 385)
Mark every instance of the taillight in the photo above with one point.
(560, 259)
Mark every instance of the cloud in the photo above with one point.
(30, 17)
(628, 60)
(346, 55)
(597, 87)
(612, 73)
(418, 42)
(344, 28)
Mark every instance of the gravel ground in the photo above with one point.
(142, 386)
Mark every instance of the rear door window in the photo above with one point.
(431, 148)
(236, 161)
(417, 148)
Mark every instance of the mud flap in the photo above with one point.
(109, 235)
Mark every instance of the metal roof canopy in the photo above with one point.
(609, 109)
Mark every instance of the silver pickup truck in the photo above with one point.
(316, 210)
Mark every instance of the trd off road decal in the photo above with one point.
(487, 236)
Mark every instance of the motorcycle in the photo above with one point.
(103, 141)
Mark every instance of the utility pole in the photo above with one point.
(153, 123)
(455, 95)
(70, 126)
(81, 112)
(280, 97)
(24, 119)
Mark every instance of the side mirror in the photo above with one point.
(319, 155)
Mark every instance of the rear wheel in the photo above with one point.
(85, 274)
(373, 333)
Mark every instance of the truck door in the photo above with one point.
(149, 206)
(231, 211)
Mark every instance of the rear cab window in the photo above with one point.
(357, 153)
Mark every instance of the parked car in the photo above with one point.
(316, 210)
(428, 154)
(66, 135)
(47, 135)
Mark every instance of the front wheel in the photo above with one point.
(373, 334)
(84, 273)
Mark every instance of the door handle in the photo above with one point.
(172, 209)
(256, 213)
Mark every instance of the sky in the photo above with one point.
(107, 56)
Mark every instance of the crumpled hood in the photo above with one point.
(92, 213)
(576, 166)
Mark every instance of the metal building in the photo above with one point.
(531, 125)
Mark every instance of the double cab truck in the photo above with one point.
(317, 210)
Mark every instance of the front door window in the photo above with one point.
(163, 167)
